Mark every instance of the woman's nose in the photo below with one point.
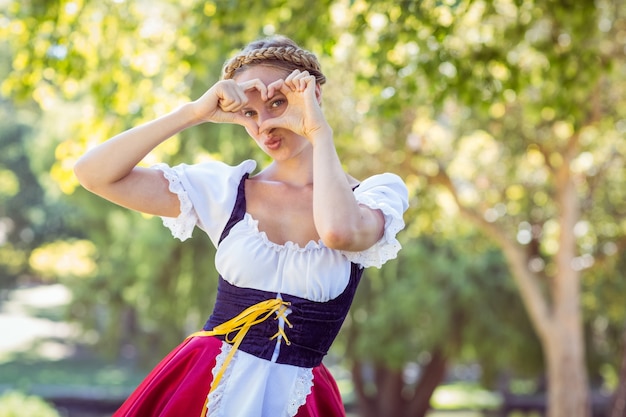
(263, 116)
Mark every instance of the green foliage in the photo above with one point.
(603, 287)
(14, 404)
(491, 94)
(28, 216)
(112, 66)
(448, 295)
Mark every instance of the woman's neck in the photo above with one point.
(289, 172)
(297, 171)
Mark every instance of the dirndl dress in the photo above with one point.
(277, 311)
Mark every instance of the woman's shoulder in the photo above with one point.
(385, 179)
(207, 173)
(219, 167)
(207, 192)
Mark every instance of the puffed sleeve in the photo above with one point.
(388, 193)
(207, 194)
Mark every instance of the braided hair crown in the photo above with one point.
(277, 51)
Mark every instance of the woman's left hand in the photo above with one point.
(303, 114)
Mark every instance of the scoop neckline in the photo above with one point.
(290, 245)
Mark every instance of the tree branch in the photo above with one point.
(527, 281)
(566, 289)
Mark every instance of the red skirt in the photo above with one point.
(180, 383)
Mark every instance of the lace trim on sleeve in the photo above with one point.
(302, 388)
(183, 225)
(388, 246)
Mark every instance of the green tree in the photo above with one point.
(134, 73)
(101, 68)
(515, 108)
(29, 215)
(443, 302)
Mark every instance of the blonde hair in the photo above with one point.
(277, 51)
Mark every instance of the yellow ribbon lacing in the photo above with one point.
(240, 324)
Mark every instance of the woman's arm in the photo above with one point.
(340, 221)
(110, 169)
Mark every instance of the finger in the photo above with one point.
(225, 102)
(233, 106)
(269, 124)
(241, 95)
(293, 75)
(246, 122)
(274, 87)
(251, 127)
(234, 92)
(233, 102)
(303, 80)
(291, 80)
(230, 97)
(309, 84)
(255, 84)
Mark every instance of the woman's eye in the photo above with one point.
(249, 113)
(277, 103)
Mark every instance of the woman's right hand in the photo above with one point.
(223, 103)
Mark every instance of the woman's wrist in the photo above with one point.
(324, 133)
(189, 115)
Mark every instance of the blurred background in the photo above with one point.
(506, 118)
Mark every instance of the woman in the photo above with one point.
(292, 240)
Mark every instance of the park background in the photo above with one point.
(506, 118)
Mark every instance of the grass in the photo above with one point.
(464, 396)
(78, 377)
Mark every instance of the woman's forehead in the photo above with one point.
(266, 73)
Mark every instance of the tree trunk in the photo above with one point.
(558, 317)
(389, 383)
(385, 399)
(568, 392)
(618, 403)
(432, 375)
(388, 399)
(365, 401)
(562, 336)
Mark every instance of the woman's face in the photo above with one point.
(278, 143)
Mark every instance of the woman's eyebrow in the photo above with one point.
(277, 94)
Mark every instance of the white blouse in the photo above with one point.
(247, 258)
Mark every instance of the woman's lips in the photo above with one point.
(272, 143)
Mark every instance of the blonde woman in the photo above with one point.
(292, 240)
